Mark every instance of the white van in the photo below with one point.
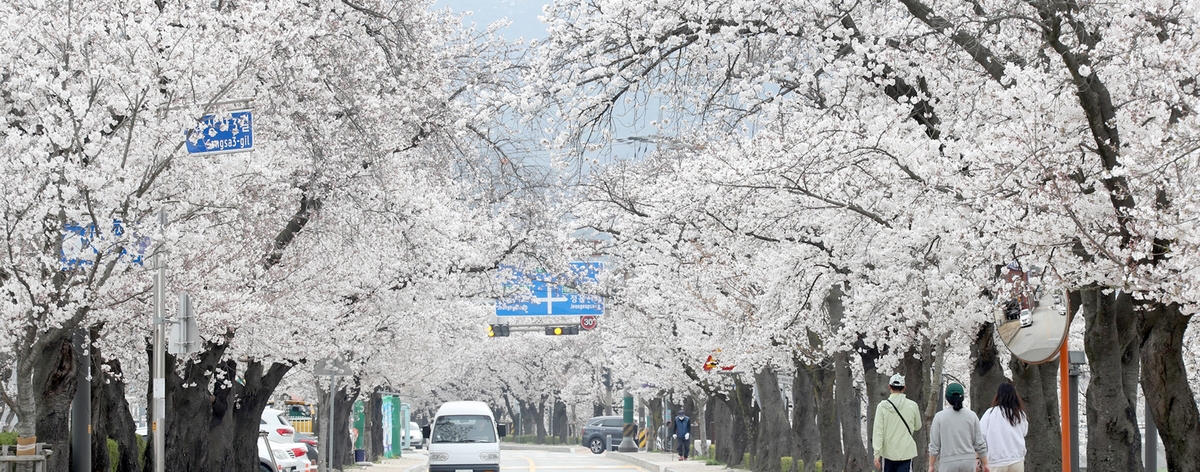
(464, 437)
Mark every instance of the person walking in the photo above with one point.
(1004, 427)
(896, 418)
(683, 434)
(955, 440)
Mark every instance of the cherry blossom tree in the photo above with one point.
(365, 185)
(925, 143)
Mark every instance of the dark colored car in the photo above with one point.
(310, 441)
(602, 431)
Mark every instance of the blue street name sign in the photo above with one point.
(547, 294)
(219, 135)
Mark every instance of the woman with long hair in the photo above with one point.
(955, 441)
(1004, 426)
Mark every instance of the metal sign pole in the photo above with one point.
(329, 438)
(160, 371)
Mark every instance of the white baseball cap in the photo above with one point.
(897, 381)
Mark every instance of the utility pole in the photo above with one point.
(159, 363)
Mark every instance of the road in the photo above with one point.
(541, 461)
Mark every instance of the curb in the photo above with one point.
(650, 466)
(417, 467)
(536, 447)
(632, 458)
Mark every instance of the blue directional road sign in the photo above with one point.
(547, 294)
(219, 135)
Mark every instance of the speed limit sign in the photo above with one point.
(587, 322)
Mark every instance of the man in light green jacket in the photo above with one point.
(896, 418)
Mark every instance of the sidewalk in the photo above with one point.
(409, 462)
(664, 462)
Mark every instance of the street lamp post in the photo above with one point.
(159, 367)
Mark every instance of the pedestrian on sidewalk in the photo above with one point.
(955, 440)
(1004, 427)
(683, 434)
(896, 418)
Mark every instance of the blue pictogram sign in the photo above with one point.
(80, 245)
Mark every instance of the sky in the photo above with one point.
(637, 135)
(522, 13)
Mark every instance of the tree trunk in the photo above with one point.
(101, 461)
(849, 407)
(528, 417)
(111, 417)
(215, 431)
(559, 418)
(916, 366)
(1038, 386)
(188, 410)
(375, 408)
(1110, 340)
(986, 371)
(736, 423)
(342, 411)
(876, 384)
(832, 457)
(848, 410)
(804, 417)
(1165, 384)
(539, 411)
(653, 422)
(121, 426)
(774, 431)
(54, 376)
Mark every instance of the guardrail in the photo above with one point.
(9, 461)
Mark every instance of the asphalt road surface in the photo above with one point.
(540, 461)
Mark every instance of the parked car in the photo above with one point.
(288, 458)
(310, 441)
(276, 424)
(415, 438)
(1026, 318)
(602, 432)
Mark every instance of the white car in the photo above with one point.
(1059, 306)
(288, 457)
(277, 426)
(415, 438)
(1026, 318)
(463, 437)
(289, 454)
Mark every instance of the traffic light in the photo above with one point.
(561, 330)
(497, 330)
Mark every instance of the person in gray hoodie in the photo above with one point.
(955, 440)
